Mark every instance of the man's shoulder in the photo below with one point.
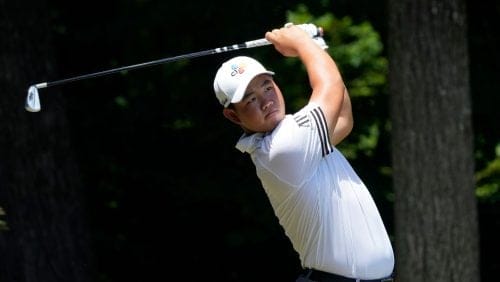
(305, 114)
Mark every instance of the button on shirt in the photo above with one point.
(324, 207)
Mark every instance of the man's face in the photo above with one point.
(262, 106)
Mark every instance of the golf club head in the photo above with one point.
(32, 100)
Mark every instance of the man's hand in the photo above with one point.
(287, 40)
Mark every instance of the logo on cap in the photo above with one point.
(237, 69)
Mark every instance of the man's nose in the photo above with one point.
(267, 104)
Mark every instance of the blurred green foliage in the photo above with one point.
(488, 179)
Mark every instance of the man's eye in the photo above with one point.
(268, 86)
(251, 99)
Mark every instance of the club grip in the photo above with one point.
(311, 29)
(315, 32)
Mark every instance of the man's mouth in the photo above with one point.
(272, 112)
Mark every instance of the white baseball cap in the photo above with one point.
(233, 77)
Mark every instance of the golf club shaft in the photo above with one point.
(311, 29)
(32, 103)
(248, 44)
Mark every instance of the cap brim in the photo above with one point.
(240, 92)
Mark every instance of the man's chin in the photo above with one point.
(275, 115)
(274, 119)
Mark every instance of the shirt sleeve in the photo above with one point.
(298, 145)
(315, 114)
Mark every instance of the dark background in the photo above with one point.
(167, 192)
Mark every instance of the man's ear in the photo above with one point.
(231, 115)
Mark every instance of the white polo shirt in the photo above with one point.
(325, 209)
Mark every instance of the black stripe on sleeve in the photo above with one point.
(302, 120)
(320, 120)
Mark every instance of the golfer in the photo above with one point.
(323, 206)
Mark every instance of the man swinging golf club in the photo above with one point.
(324, 207)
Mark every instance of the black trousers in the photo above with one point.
(313, 275)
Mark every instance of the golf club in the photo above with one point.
(33, 100)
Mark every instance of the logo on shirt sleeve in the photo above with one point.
(316, 115)
(302, 120)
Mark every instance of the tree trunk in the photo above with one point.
(435, 208)
(40, 186)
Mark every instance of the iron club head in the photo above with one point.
(32, 100)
